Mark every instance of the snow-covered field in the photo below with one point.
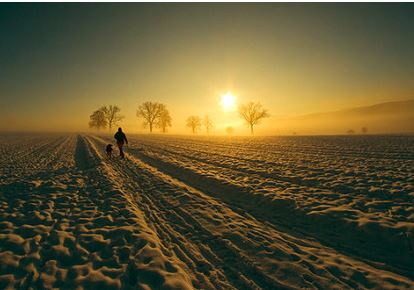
(207, 213)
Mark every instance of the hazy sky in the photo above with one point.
(59, 62)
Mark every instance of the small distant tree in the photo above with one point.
(252, 113)
(364, 130)
(112, 115)
(350, 132)
(97, 120)
(150, 112)
(164, 119)
(208, 123)
(194, 122)
(229, 130)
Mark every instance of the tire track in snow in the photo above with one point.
(153, 266)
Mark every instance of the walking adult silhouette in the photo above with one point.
(120, 140)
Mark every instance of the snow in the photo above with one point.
(207, 212)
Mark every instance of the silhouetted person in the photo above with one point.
(120, 140)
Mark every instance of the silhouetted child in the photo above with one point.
(109, 150)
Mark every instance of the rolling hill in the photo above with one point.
(389, 117)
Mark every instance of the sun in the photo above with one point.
(228, 102)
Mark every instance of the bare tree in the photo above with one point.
(252, 113)
(112, 115)
(350, 132)
(193, 122)
(150, 112)
(229, 130)
(97, 120)
(364, 130)
(208, 123)
(164, 119)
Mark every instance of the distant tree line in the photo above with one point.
(153, 114)
(195, 122)
(105, 116)
(252, 113)
(364, 131)
(156, 115)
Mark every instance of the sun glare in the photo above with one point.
(228, 102)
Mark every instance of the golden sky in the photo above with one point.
(59, 62)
